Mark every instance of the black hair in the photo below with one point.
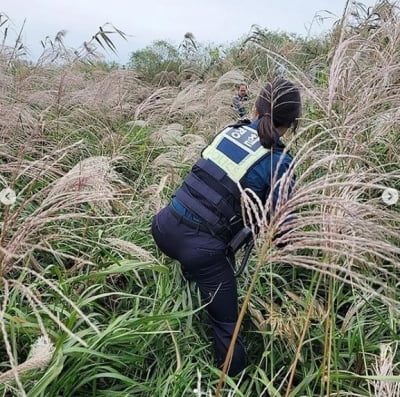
(277, 105)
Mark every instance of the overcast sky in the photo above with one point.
(211, 21)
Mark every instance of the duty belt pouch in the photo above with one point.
(240, 239)
(243, 237)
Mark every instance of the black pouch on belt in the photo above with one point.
(240, 239)
(243, 238)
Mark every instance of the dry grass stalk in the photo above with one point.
(132, 249)
(40, 357)
(386, 367)
(288, 319)
(12, 360)
(91, 175)
(154, 196)
(168, 135)
(232, 77)
(92, 181)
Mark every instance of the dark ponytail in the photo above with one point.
(278, 105)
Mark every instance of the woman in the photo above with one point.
(205, 213)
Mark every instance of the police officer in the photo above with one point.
(205, 214)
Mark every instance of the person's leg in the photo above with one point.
(167, 233)
(207, 265)
(203, 260)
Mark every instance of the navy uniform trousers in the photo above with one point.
(203, 260)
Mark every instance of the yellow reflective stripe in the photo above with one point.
(235, 171)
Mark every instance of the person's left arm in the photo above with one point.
(266, 178)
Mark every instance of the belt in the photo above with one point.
(224, 236)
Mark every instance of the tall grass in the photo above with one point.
(89, 307)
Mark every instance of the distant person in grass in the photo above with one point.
(240, 101)
(205, 214)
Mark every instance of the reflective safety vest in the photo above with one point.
(235, 150)
(210, 191)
